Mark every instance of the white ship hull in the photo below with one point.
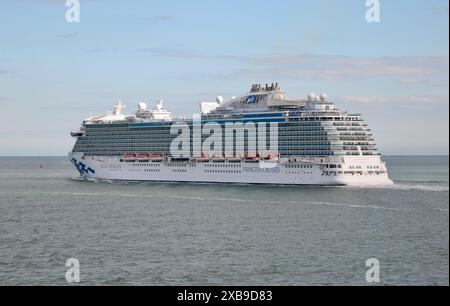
(287, 172)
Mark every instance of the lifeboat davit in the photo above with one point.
(202, 157)
(218, 158)
(129, 158)
(251, 158)
(270, 156)
(155, 157)
(233, 157)
(143, 158)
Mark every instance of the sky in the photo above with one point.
(53, 74)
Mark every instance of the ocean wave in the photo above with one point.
(127, 195)
(442, 209)
(246, 201)
(422, 181)
(399, 185)
(407, 187)
(235, 200)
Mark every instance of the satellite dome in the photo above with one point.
(233, 97)
(323, 97)
(317, 98)
(311, 96)
(142, 106)
(219, 99)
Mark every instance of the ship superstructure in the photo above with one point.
(261, 137)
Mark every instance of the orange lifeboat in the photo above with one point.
(233, 157)
(218, 158)
(156, 157)
(202, 157)
(129, 158)
(141, 155)
(270, 156)
(251, 156)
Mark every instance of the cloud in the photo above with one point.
(187, 54)
(163, 18)
(65, 108)
(156, 20)
(335, 66)
(405, 100)
(412, 81)
(58, 2)
(318, 66)
(6, 72)
(103, 50)
(440, 8)
(67, 35)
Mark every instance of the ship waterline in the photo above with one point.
(274, 140)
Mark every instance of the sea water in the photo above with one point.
(204, 234)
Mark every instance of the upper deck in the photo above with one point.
(305, 127)
(261, 103)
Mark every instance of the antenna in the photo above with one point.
(118, 108)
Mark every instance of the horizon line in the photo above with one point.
(383, 155)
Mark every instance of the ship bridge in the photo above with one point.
(270, 98)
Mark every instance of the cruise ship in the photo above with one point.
(261, 137)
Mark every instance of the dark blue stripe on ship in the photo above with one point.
(275, 117)
(264, 115)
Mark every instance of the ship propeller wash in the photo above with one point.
(261, 137)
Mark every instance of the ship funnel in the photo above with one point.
(118, 108)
